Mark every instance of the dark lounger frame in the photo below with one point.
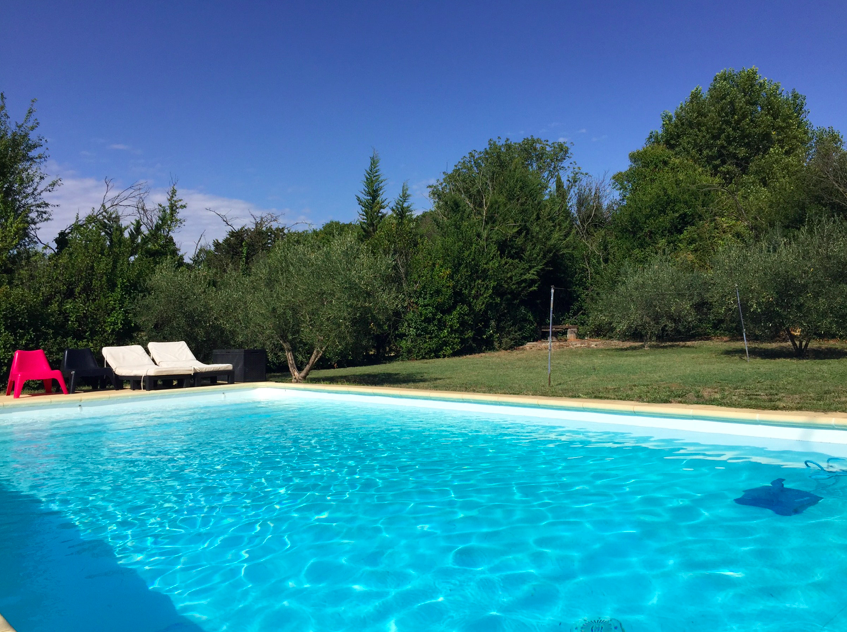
(213, 376)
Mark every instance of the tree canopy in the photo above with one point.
(735, 187)
(496, 237)
(372, 200)
(23, 184)
(310, 299)
(741, 119)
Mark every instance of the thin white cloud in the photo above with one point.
(120, 146)
(582, 131)
(420, 194)
(563, 139)
(79, 195)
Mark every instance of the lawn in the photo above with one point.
(692, 373)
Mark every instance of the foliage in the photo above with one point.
(827, 171)
(372, 202)
(591, 205)
(398, 237)
(307, 299)
(153, 229)
(735, 187)
(742, 118)
(794, 287)
(498, 234)
(662, 300)
(402, 209)
(728, 164)
(242, 245)
(181, 303)
(81, 295)
(668, 205)
(333, 230)
(436, 325)
(22, 186)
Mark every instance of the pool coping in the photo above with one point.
(804, 419)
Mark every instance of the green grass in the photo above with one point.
(692, 373)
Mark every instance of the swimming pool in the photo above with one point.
(286, 510)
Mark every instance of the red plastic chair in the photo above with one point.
(33, 365)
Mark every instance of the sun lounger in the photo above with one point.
(177, 354)
(132, 363)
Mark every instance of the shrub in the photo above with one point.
(796, 287)
(185, 304)
(659, 301)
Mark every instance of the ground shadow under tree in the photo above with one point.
(786, 352)
(388, 378)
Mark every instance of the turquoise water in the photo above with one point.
(310, 514)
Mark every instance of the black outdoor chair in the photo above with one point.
(80, 364)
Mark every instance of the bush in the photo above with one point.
(185, 304)
(659, 301)
(434, 326)
(796, 287)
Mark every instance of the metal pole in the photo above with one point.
(550, 336)
(743, 331)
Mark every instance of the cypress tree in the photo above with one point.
(372, 202)
(402, 207)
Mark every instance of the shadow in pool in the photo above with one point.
(375, 379)
(52, 579)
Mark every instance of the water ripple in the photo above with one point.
(304, 515)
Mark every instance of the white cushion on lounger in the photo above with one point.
(177, 354)
(132, 361)
(198, 367)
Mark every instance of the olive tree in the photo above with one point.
(660, 300)
(309, 299)
(796, 287)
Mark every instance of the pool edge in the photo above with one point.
(694, 411)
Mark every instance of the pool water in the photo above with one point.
(311, 513)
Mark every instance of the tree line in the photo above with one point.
(736, 189)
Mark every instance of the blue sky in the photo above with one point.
(278, 105)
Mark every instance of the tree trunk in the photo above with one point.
(300, 376)
(316, 355)
(800, 346)
(793, 341)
